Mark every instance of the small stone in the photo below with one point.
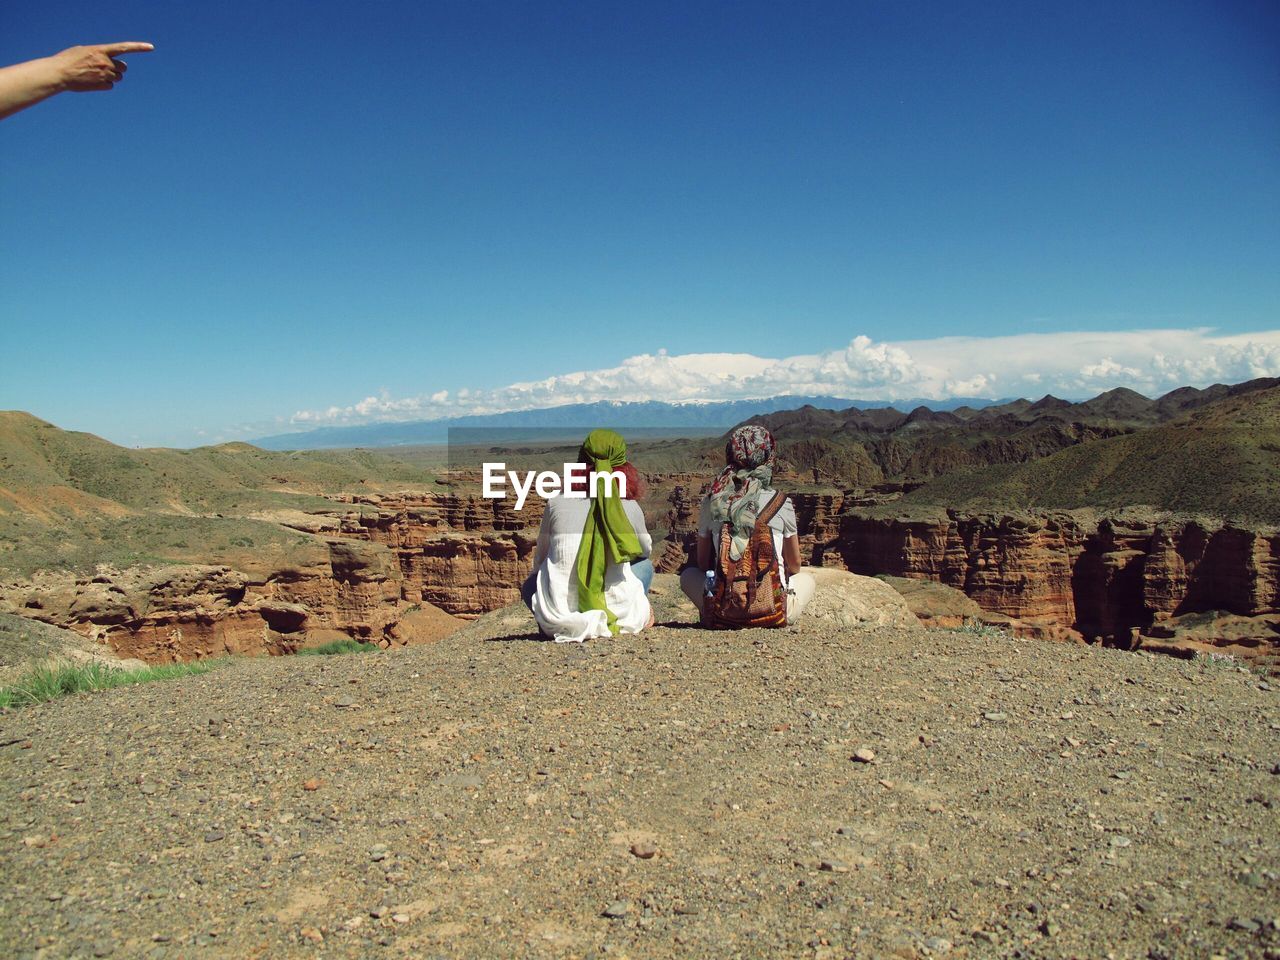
(399, 918)
(312, 784)
(1251, 879)
(1119, 841)
(148, 789)
(160, 938)
(1243, 924)
(938, 944)
(644, 849)
(995, 716)
(104, 948)
(213, 836)
(1050, 929)
(345, 702)
(616, 910)
(55, 897)
(833, 866)
(864, 755)
(379, 912)
(312, 934)
(378, 852)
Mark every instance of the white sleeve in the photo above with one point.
(636, 516)
(544, 539)
(787, 514)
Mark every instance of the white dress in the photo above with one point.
(555, 600)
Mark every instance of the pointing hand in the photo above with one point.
(95, 67)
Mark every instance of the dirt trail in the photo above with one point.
(490, 796)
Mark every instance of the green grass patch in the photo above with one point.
(973, 627)
(339, 646)
(1212, 661)
(60, 679)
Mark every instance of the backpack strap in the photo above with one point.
(769, 512)
(762, 519)
(762, 523)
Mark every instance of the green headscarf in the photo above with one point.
(608, 536)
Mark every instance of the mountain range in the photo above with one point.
(682, 418)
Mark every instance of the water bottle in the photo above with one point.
(709, 587)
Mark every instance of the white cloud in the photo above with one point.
(1066, 364)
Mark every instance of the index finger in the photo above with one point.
(126, 46)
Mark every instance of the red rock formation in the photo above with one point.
(1124, 579)
(818, 526)
(466, 555)
(1109, 579)
(341, 588)
(681, 523)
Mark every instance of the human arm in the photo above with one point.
(636, 516)
(92, 67)
(705, 560)
(706, 554)
(544, 540)
(791, 555)
(785, 523)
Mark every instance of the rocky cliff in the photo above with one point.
(464, 554)
(1124, 579)
(1127, 579)
(195, 553)
(1110, 578)
(167, 613)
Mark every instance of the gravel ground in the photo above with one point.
(681, 793)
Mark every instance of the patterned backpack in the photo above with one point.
(748, 592)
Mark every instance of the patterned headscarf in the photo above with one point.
(735, 494)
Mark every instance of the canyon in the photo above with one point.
(408, 567)
(1129, 578)
(1120, 521)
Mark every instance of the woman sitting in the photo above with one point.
(737, 497)
(591, 568)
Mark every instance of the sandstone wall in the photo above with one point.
(1071, 573)
(466, 555)
(164, 614)
(1120, 579)
(1109, 578)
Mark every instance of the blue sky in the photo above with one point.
(299, 213)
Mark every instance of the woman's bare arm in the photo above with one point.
(79, 69)
(705, 561)
(791, 555)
